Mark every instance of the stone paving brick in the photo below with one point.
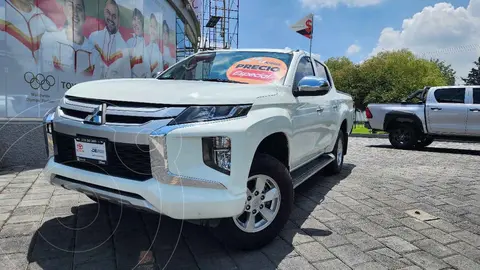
(472, 239)
(13, 261)
(466, 249)
(407, 233)
(60, 263)
(370, 266)
(296, 236)
(388, 258)
(461, 262)
(295, 263)
(414, 223)
(364, 241)
(24, 218)
(439, 236)
(314, 252)
(251, 260)
(342, 227)
(397, 244)
(335, 264)
(434, 248)
(373, 229)
(426, 260)
(351, 255)
(16, 230)
(443, 225)
(384, 221)
(14, 245)
(324, 215)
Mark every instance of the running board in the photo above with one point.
(308, 170)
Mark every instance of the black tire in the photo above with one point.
(403, 136)
(424, 142)
(335, 167)
(236, 238)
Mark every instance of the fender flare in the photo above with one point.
(402, 117)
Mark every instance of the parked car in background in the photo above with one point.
(220, 138)
(449, 112)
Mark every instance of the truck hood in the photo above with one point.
(171, 91)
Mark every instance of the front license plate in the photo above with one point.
(88, 149)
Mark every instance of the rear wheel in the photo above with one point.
(424, 142)
(403, 136)
(267, 208)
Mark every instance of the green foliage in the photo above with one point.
(473, 77)
(386, 77)
(447, 71)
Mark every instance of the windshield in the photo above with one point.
(232, 66)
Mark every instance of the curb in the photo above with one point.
(378, 136)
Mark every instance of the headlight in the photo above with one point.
(210, 113)
(48, 131)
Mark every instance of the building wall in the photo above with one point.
(47, 53)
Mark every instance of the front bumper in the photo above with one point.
(175, 201)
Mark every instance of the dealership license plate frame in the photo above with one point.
(91, 142)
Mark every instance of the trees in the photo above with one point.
(387, 77)
(473, 77)
(447, 71)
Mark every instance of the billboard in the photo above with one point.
(47, 46)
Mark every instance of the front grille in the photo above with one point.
(131, 161)
(118, 112)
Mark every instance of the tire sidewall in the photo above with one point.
(234, 236)
(334, 167)
(409, 144)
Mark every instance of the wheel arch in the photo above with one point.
(399, 117)
(276, 145)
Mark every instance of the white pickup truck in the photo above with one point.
(441, 112)
(222, 136)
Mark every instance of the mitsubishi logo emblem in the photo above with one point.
(97, 117)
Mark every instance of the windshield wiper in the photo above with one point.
(222, 80)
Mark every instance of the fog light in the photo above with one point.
(217, 153)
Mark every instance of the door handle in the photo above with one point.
(475, 110)
(319, 109)
(436, 109)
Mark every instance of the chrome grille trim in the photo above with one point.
(148, 112)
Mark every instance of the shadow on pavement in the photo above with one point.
(106, 236)
(434, 150)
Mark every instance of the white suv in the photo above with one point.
(221, 136)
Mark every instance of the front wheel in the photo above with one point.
(267, 208)
(336, 165)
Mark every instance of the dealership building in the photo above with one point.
(50, 46)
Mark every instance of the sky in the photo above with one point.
(448, 30)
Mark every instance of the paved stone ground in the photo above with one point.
(355, 220)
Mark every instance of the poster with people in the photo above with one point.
(51, 45)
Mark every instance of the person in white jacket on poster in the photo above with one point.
(113, 50)
(153, 51)
(68, 52)
(138, 58)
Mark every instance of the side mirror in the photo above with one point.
(312, 86)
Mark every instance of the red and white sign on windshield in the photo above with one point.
(257, 70)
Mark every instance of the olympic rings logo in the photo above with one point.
(39, 81)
